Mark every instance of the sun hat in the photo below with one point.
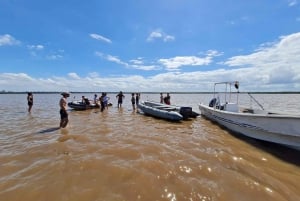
(65, 94)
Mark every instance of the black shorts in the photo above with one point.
(30, 103)
(63, 114)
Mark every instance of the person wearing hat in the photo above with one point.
(63, 110)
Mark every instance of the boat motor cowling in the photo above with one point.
(186, 112)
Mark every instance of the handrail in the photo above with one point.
(228, 85)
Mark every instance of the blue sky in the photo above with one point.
(145, 46)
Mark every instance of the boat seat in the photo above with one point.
(247, 110)
(164, 107)
(160, 106)
(231, 107)
(169, 109)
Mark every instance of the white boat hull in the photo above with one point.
(281, 129)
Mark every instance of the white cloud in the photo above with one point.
(169, 64)
(250, 78)
(168, 38)
(54, 57)
(35, 47)
(134, 63)
(137, 61)
(272, 63)
(154, 35)
(292, 2)
(100, 38)
(160, 35)
(176, 62)
(284, 53)
(93, 74)
(111, 58)
(272, 67)
(115, 59)
(74, 76)
(140, 64)
(8, 40)
(145, 67)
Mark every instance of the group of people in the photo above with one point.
(135, 100)
(103, 99)
(166, 99)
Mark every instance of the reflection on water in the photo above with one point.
(119, 154)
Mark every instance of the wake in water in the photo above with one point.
(49, 130)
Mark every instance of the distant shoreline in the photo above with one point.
(115, 92)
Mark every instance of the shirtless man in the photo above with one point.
(120, 97)
(63, 110)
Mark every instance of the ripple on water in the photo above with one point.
(120, 155)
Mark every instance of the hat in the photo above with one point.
(65, 94)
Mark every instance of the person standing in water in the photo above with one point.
(64, 119)
(137, 98)
(167, 99)
(95, 98)
(106, 99)
(133, 101)
(29, 101)
(120, 97)
(161, 98)
(103, 101)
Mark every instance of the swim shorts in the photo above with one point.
(63, 114)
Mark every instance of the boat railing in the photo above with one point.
(252, 98)
(228, 92)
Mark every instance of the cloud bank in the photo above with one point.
(271, 67)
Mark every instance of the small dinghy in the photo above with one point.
(168, 112)
(79, 105)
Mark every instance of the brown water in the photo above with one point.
(123, 155)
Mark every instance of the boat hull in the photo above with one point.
(82, 106)
(159, 113)
(186, 112)
(281, 129)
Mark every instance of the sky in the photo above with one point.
(149, 46)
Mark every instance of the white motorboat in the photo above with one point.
(256, 123)
(169, 112)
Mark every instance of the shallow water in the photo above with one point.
(123, 155)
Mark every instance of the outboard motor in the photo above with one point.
(186, 112)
